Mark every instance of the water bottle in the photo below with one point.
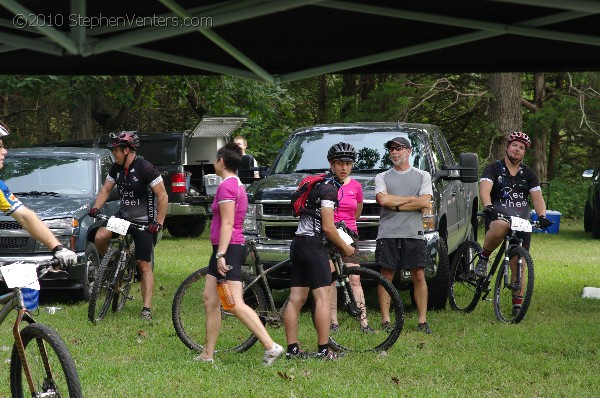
(225, 294)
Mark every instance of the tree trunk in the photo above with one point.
(505, 109)
(83, 122)
(348, 95)
(322, 100)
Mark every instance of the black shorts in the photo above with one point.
(234, 256)
(144, 241)
(402, 253)
(310, 263)
(524, 236)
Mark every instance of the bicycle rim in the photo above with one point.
(189, 316)
(353, 313)
(507, 285)
(463, 294)
(51, 366)
(103, 291)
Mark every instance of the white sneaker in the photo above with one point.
(273, 354)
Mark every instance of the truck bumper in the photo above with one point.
(185, 209)
(273, 252)
(71, 279)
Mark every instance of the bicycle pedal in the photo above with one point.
(129, 297)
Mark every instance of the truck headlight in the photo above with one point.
(64, 230)
(250, 220)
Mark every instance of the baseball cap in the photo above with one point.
(399, 141)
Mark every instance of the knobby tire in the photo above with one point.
(41, 341)
(103, 291)
(188, 316)
(463, 292)
(503, 292)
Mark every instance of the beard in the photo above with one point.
(400, 160)
(513, 159)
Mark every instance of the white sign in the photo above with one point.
(20, 275)
(345, 237)
(118, 225)
(520, 224)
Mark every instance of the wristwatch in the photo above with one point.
(219, 255)
(397, 208)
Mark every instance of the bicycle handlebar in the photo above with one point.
(506, 218)
(131, 224)
(45, 266)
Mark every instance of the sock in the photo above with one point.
(323, 348)
(293, 349)
(145, 308)
(485, 254)
(517, 301)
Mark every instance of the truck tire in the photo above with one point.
(596, 224)
(183, 227)
(587, 218)
(437, 287)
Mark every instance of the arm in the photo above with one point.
(485, 189)
(36, 227)
(538, 202)
(163, 201)
(359, 208)
(330, 231)
(227, 212)
(103, 195)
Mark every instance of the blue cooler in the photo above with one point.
(553, 216)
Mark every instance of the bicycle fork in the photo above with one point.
(348, 294)
(21, 350)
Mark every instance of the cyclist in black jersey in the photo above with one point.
(504, 188)
(143, 201)
(12, 206)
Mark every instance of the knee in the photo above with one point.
(355, 280)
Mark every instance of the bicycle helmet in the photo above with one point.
(3, 130)
(519, 136)
(342, 151)
(124, 139)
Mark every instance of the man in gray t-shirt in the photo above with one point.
(402, 192)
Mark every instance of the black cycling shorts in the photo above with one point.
(402, 253)
(144, 241)
(310, 263)
(234, 256)
(525, 236)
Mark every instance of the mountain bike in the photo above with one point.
(188, 308)
(515, 274)
(116, 272)
(40, 363)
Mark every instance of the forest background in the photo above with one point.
(560, 112)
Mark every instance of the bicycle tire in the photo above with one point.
(464, 292)
(124, 282)
(188, 316)
(103, 291)
(349, 336)
(47, 346)
(503, 306)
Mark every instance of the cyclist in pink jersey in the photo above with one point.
(350, 204)
(229, 210)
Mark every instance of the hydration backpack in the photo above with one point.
(300, 196)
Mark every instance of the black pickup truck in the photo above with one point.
(455, 194)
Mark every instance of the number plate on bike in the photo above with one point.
(520, 224)
(346, 238)
(118, 225)
(20, 275)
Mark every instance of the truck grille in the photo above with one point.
(370, 209)
(367, 232)
(274, 209)
(13, 243)
(10, 225)
(280, 232)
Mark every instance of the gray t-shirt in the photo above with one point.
(402, 224)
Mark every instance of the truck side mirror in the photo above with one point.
(466, 172)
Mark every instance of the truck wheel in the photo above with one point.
(437, 287)
(92, 263)
(189, 227)
(587, 218)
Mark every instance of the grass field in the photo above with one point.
(554, 352)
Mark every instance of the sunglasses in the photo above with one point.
(397, 148)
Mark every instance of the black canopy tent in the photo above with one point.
(288, 40)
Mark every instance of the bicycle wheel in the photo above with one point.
(103, 291)
(124, 282)
(463, 293)
(50, 363)
(188, 315)
(507, 285)
(350, 336)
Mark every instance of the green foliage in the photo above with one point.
(568, 193)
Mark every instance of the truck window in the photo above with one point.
(161, 152)
(307, 153)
